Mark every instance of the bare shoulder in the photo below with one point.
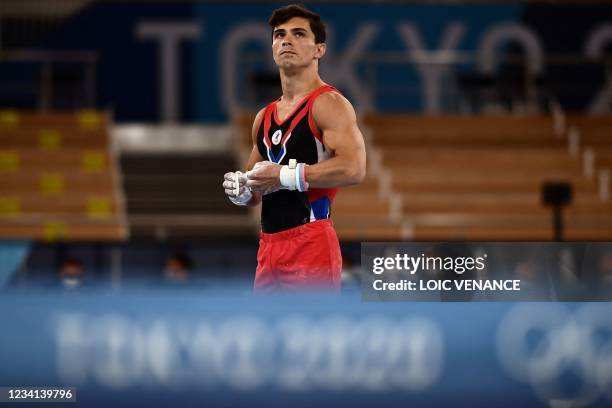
(257, 123)
(332, 108)
(334, 102)
(258, 119)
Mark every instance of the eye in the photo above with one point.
(299, 34)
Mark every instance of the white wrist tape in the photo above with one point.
(245, 196)
(237, 182)
(292, 176)
(287, 175)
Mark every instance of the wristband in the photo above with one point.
(300, 177)
(292, 176)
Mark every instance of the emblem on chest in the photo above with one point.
(276, 137)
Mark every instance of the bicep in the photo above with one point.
(340, 141)
(338, 124)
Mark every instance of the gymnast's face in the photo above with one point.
(293, 44)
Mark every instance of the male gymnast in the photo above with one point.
(306, 144)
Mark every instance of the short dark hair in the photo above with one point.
(284, 14)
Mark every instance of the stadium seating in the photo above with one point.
(449, 178)
(363, 211)
(174, 195)
(595, 135)
(480, 178)
(59, 178)
(595, 131)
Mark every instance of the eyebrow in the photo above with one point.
(294, 30)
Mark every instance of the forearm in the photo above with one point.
(255, 199)
(336, 172)
(253, 159)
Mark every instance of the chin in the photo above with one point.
(288, 65)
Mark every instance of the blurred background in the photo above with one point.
(483, 121)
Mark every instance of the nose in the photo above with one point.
(287, 39)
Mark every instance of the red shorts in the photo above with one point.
(304, 257)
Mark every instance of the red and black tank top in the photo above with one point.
(293, 138)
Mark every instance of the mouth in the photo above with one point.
(287, 52)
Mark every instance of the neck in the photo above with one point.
(299, 83)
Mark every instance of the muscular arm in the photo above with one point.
(334, 116)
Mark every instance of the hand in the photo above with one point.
(236, 189)
(229, 184)
(264, 177)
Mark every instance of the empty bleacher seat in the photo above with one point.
(59, 178)
(177, 195)
(480, 177)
